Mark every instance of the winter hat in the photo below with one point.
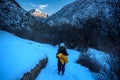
(62, 44)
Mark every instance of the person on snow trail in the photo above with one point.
(62, 58)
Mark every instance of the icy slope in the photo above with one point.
(17, 56)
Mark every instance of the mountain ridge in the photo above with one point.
(81, 10)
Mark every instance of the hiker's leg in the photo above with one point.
(59, 66)
(63, 69)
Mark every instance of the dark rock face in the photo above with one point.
(35, 71)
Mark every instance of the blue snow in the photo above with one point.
(18, 56)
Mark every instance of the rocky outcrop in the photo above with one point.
(31, 75)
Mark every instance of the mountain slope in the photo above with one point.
(15, 19)
(77, 22)
(80, 10)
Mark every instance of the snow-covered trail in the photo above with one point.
(73, 71)
(21, 55)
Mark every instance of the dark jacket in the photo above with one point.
(62, 49)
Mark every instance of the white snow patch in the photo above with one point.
(100, 56)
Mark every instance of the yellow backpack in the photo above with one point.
(63, 58)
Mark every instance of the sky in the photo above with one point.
(47, 6)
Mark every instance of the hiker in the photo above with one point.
(62, 58)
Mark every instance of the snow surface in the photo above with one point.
(73, 71)
(18, 56)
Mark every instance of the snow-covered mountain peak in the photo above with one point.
(38, 13)
(37, 10)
